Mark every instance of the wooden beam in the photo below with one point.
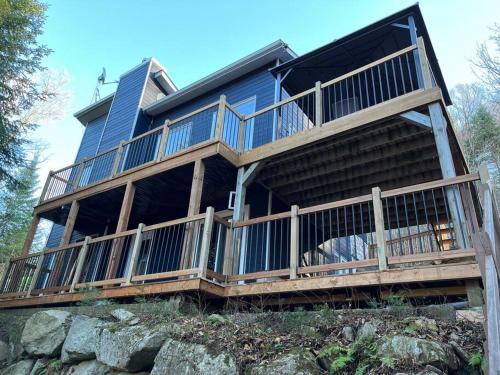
(251, 172)
(439, 127)
(70, 223)
(417, 118)
(424, 64)
(30, 236)
(318, 104)
(122, 226)
(220, 117)
(193, 209)
(378, 212)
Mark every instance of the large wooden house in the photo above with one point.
(335, 175)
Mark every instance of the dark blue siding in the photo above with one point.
(122, 115)
(55, 236)
(91, 137)
(259, 83)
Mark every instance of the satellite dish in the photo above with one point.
(102, 78)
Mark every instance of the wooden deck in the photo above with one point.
(415, 277)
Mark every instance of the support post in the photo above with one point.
(424, 65)
(79, 265)
(294, 241)
(70, 223)
(318, 113)
(118, 158)
(228, 254)
(30, 235)
(136, 249)
(205, 241)
(455, 206)
(36, 273)
(220, 117)
(163, 140)
(123, 219)
(378, 212)
(193, 209)
(413, 37)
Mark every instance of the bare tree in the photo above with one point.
(487, 63)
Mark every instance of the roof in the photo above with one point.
(266, 55)
(366, 32)
(95, 110)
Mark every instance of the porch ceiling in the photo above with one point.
(388, 154)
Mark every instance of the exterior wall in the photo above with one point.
(91, 137)
(259, 83)
(123, 113)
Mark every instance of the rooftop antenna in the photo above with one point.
(101, 80)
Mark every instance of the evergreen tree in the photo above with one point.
(21, 56)
(16, 207)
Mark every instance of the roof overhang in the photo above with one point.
(95, 110)
(271, 53)
(318, 55)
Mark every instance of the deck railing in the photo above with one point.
(374, 231)
(380, 81)
(371, 232)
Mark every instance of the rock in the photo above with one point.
(39, 367)
(82, 339)
(20, 368)
(177, 357)
(423, 323)
(89, 368)
(298, 362)
(45, 332)
(431, 370)
(130, 348)
(368, 330)
(122, 315)
(422, 352)
(348, 333)
(471, 316)
(440, 312)
(216, 319)
(133, 322)
(4, 351)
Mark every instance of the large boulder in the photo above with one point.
(177, 357)
(45, 332)
(20, 368)
(368, 330)
(298, 362)
(130, 348)
(82, 339)
(422, 352)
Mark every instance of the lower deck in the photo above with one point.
(442, 277)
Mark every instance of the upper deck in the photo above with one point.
(388, 88)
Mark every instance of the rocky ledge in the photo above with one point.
(301, 342)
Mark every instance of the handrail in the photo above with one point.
(370, 65)
(190, 114)
(174, 222)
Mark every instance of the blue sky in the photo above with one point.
(194, 38)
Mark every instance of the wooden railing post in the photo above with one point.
(378, 212)
(294, 241)
(45, 187)
(241, 135)
(220, 117)
(136, 249)
(163, 141)
(423, 64)
(79, 173)
(79, 263)
(205, 241)
(318, 113)
(118, 158)
(36, 273)
(227, 268)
